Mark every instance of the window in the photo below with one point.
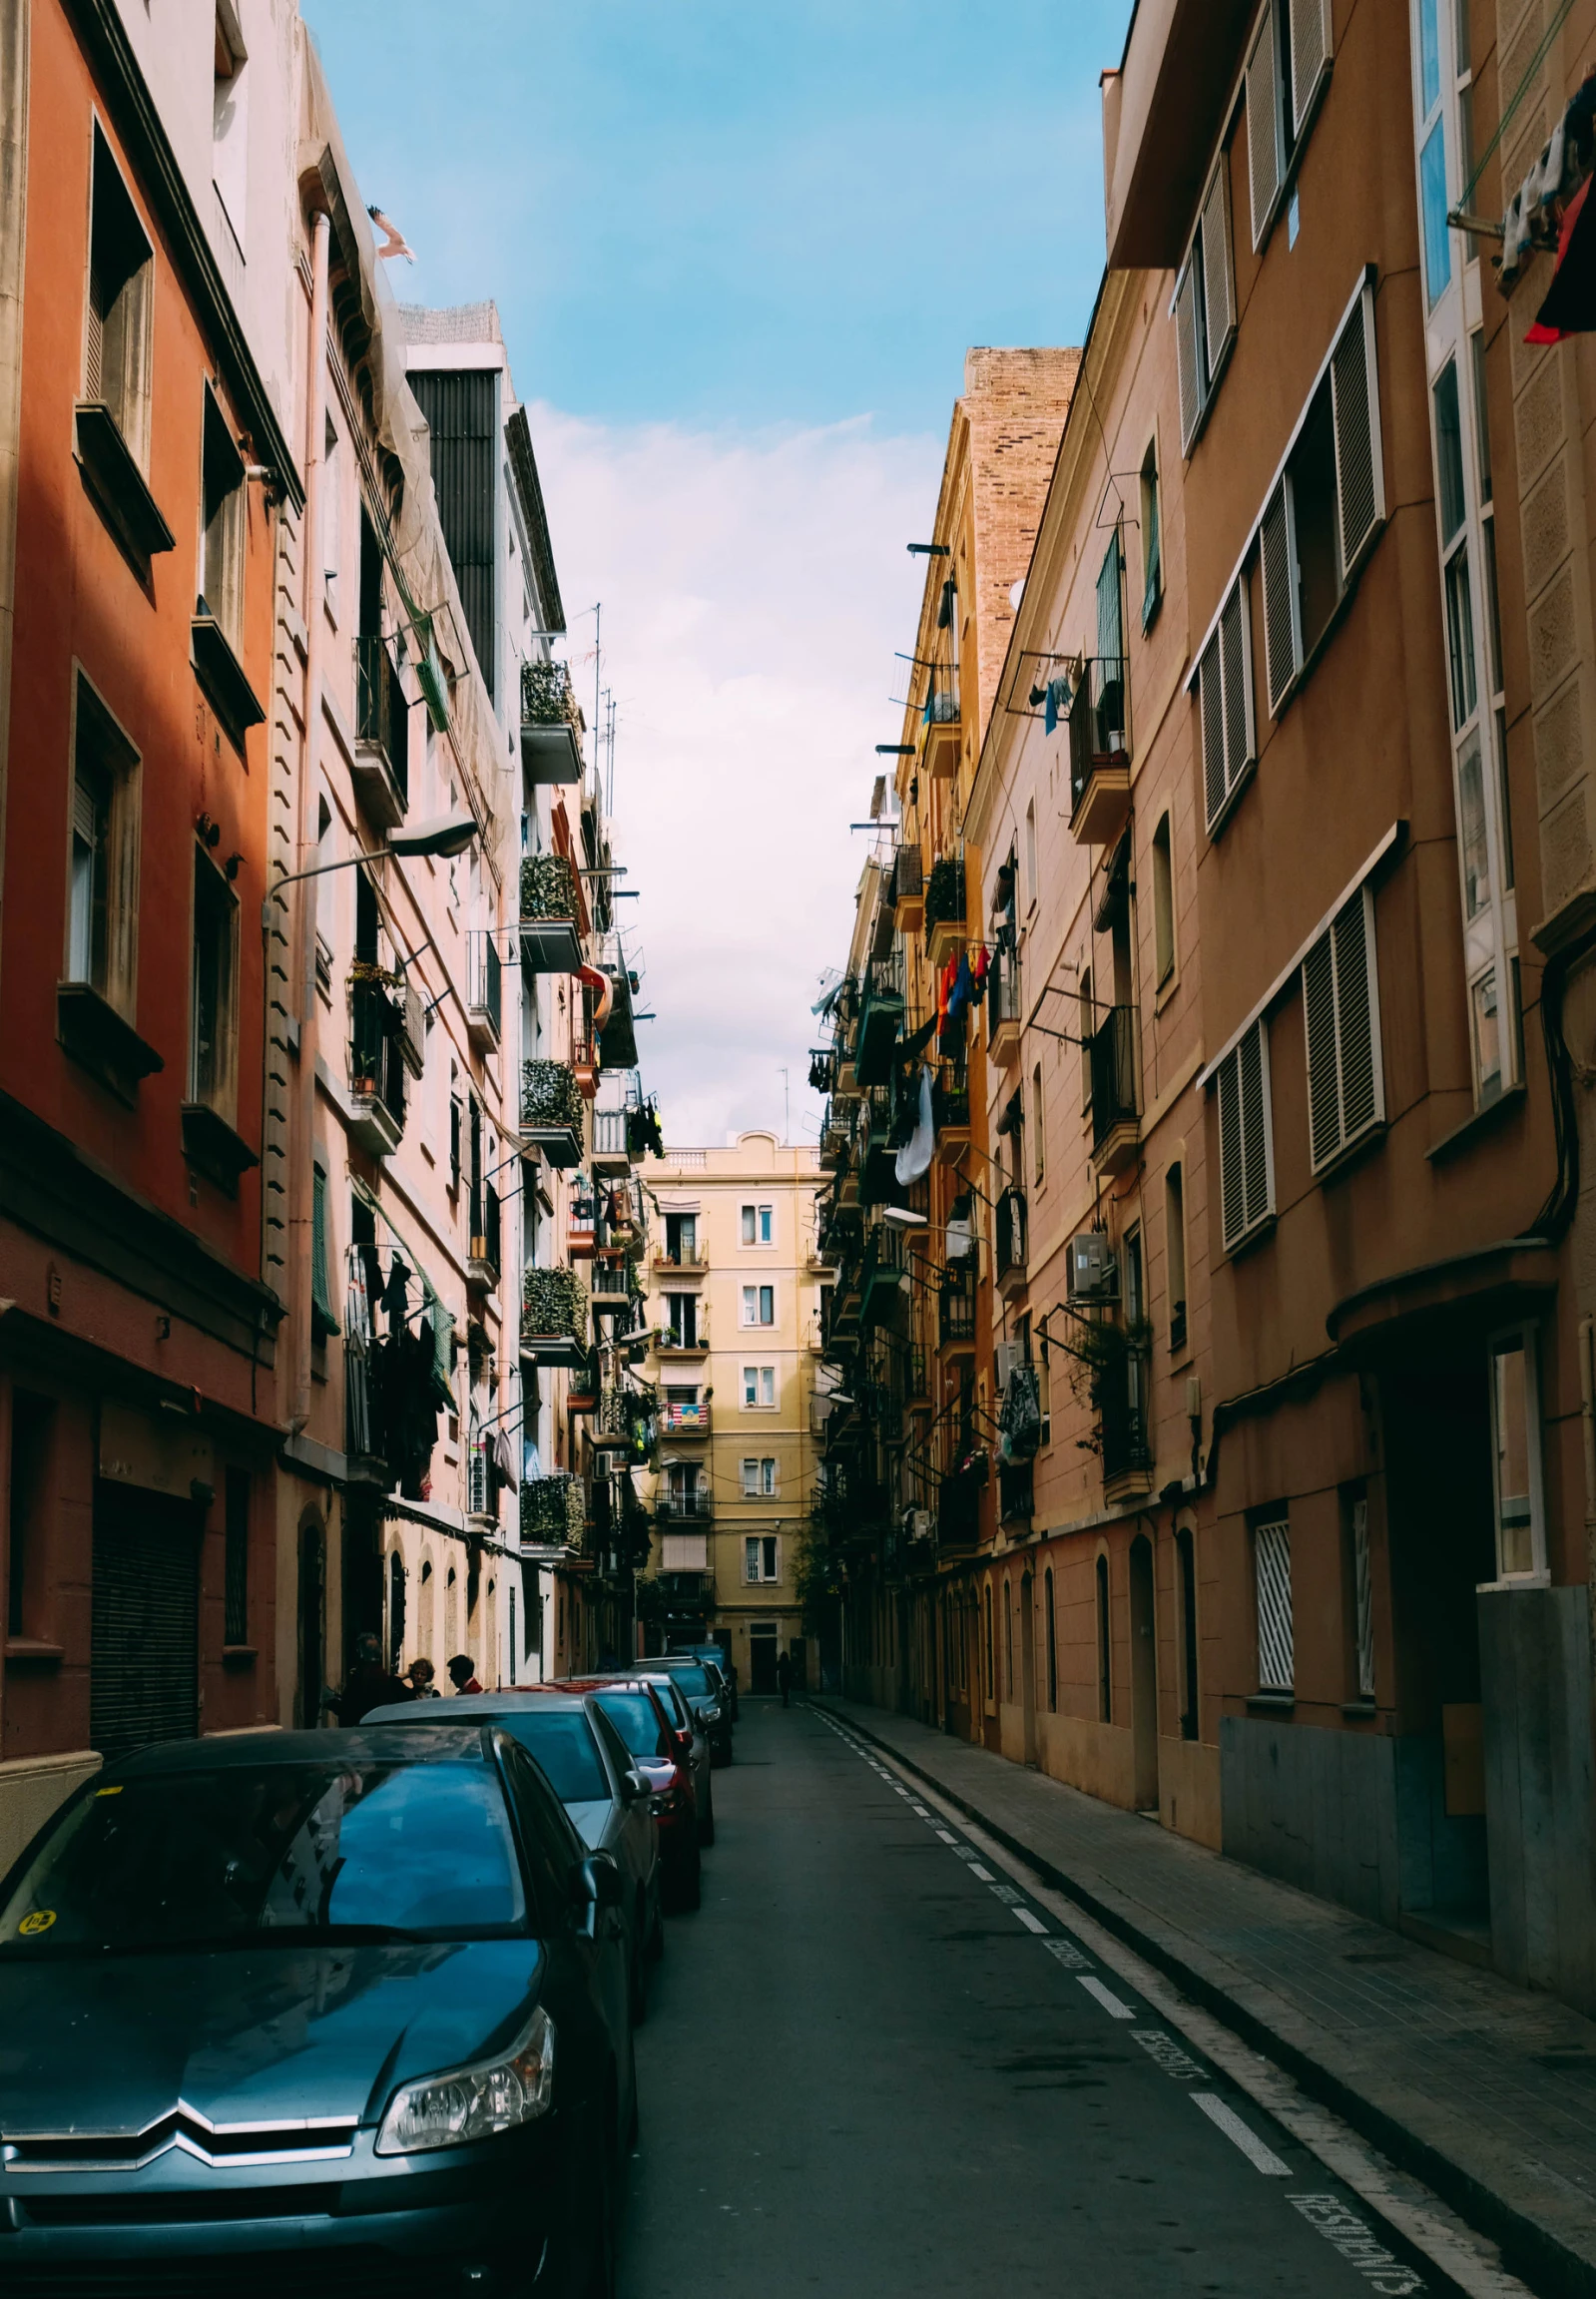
(1052, 1640)
(1174, 1254)
(1111, 657)
(222, 544)
(1515, 1447)
(682, 1316)
(1038, 1153)
(1152, 538)
(1186, 1562)
(1341, 998)
(1288, 66)
(212, 991)
(682, 1237)
(1326, 507)
(758, 1225)
(759, 1387)
(1088, 1024)
(333, 525)
(1105, 1648)
(323, 1320)
(118, 332)
(1031, 886)
(758, 1304)
(1363, 1594)
(1245, 1149)
(685, 1494)
(1205, 329)
(760, 1559)
(235, 1562)
(1225, 699)
(987, 1644)
(102, 909)
(685, 1552)
(1272, 1574)
(1432, 123)
(1163, 903)
(229, 119)
(1008, 1635)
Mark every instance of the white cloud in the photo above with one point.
(755, 588)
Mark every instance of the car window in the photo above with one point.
(637, 1720)
(213, 1856)
(614, 1747)
(546, 1838)
(561, 1741)
(692, 1678)
(675, 1706)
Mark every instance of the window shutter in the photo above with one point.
(322, 1320)
(1110, 618)
(1280, 605)
(1360, 478)
(1218, 294)
(1264, 159)
(1246, 1168)
(1271, 1564)
(1234, 652)
(1311, 38)
(1232, 1203)
(1324, 1084)
(1186, 356)
(1211, 703)
(1346, 1092)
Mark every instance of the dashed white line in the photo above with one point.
(1110, 2002)
(983, 1874)
(1241, 2135)
(1031, 1922)
(946, 1836)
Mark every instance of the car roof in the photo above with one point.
(484, 1705)
(363, 1743)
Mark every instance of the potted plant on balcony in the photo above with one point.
(549, 887)
(554, 1307)
(546, 696)
(944, 895)
(553, 1512)
(550, 1095)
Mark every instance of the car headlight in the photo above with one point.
(474, 2102)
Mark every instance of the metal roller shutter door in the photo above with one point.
(143, 1683)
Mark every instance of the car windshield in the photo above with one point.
(561, 1739)
(671, 1699)
(637, 1720)
(235, 1855)
(692, 1678)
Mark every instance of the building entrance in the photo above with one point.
(761, 1656)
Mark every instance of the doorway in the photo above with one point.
(1028, 1667)
(143, 1678)
(311, 1628)
(761, 1656)
(1144, 1678)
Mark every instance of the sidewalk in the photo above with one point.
(1485, 2092)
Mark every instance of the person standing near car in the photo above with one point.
(419, 1676)
(783, 1678)
(463, 1673)
(368, 1685)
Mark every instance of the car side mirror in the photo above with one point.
(596, 1882)
(683, 1741)
(633, 1788)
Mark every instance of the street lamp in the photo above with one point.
(443, 836)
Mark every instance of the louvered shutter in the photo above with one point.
(1234, 652)
(1232, 1191)
(1187, 356)
(1311, 39)
(1219, 292)
(1264, 159)
(1272, 1565)
(1280, 605)
(1323, 1078)
(1246, 1165)
(143, 1619)
(1360, 477)
(1211, 705)
(1363, 1098)
(94, 340)
(323, 1319)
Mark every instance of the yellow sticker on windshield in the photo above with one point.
(40, 1920)
(116, 1790)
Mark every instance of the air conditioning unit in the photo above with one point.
(1006, 1356)
(919, 1524)
(1093, 1275)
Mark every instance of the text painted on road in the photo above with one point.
(1330, 2217)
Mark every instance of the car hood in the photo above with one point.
(248, 2035)
(591, 1822)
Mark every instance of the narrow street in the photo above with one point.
(872, 2066)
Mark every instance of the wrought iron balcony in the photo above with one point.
(880, 1018)
(1114, 1098)
(956, 1308)
(611, 1148)
(381, 733)
(482, 1269)
(551, 1111)
(1003, 1007)
(1100, 760)
(377, 1063)
(689, 1509)
(1121, 1385)
(485, 1006)
(685, 1419)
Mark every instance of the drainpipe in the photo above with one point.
(309, 1002)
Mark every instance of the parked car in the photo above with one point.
(589, 1767)
(662, 1752)
(719, 1658)
(336, 2008)
(685, 1718)
(707, 1691)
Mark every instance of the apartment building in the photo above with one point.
(735, 1285)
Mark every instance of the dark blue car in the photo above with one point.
(349, 2008)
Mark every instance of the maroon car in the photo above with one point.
(663, 1754)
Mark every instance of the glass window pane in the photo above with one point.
(1461, 637)
(1506, 810)
(1493, 615)
(1483, 428)
(1429, 55)
(1488, 1036)
(1510, 1414)
(1432, 200)
(1449, 451)
(1471, 831)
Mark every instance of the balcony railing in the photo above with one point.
(683, 1507)
(881, 1015)
(1121, 1386)
(610, 1134)
(950, 1102)
(553, 1512)
(486, 1000)
(1011, 1234)
(956, 1307)
(376, 1061)
(1113, 1060)
(1002, 992)
(688, 1257)
(551, 742)
(381, 712)
(685, 1332)
(909, 878)
(486, 1233)
(1098, 719)
(944, 893)
(942, 705)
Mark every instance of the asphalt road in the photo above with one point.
(874, 2066)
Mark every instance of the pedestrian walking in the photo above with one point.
(419, 1675)
(783, 1678)
(463, 1673)
(370, 1684)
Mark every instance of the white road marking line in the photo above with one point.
(1165, 2053)
(983, 1874)
(1031, 1922)
(1238, 2133)
(1329, 2216)
(920, 1809)
(946, 1837)
(1068, 1955)
(1108, 2001)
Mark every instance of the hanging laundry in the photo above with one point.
(958, 999)
(397, 1295)
(1569, 307)
(1057, 698)
(979, 969)
(914, 1158)
(1020, 1422)
(504, 1460)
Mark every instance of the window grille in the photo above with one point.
(1272, 1565)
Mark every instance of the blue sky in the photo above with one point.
(739, 253)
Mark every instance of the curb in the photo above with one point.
(1530, 2249)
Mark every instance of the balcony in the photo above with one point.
(1100, 755)
(580, 1229)
(951, 1114)
(553, 1514)
(957, 1310)
(382, 734)
(685, 1333)
(880, 1018)
(885, 1277)
(958, 1513)
(581, 1391)
(916, 1378)
(551, 725)
(941, 730)
(1116, 1133)
(485, 1006)
(684, 1420)
(1120, 1386)
(688, 1508)
(612, 1284)
(1163, 112)
(554, 916)
(944, 909)
(554, 1317)
(1003, 1010)
(908, 890)
(551, 1112)
(1011, 1243)
(376, 1064)
(482, 1266)
(611, 1145)
(692, 1260)
(1017, 1491)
